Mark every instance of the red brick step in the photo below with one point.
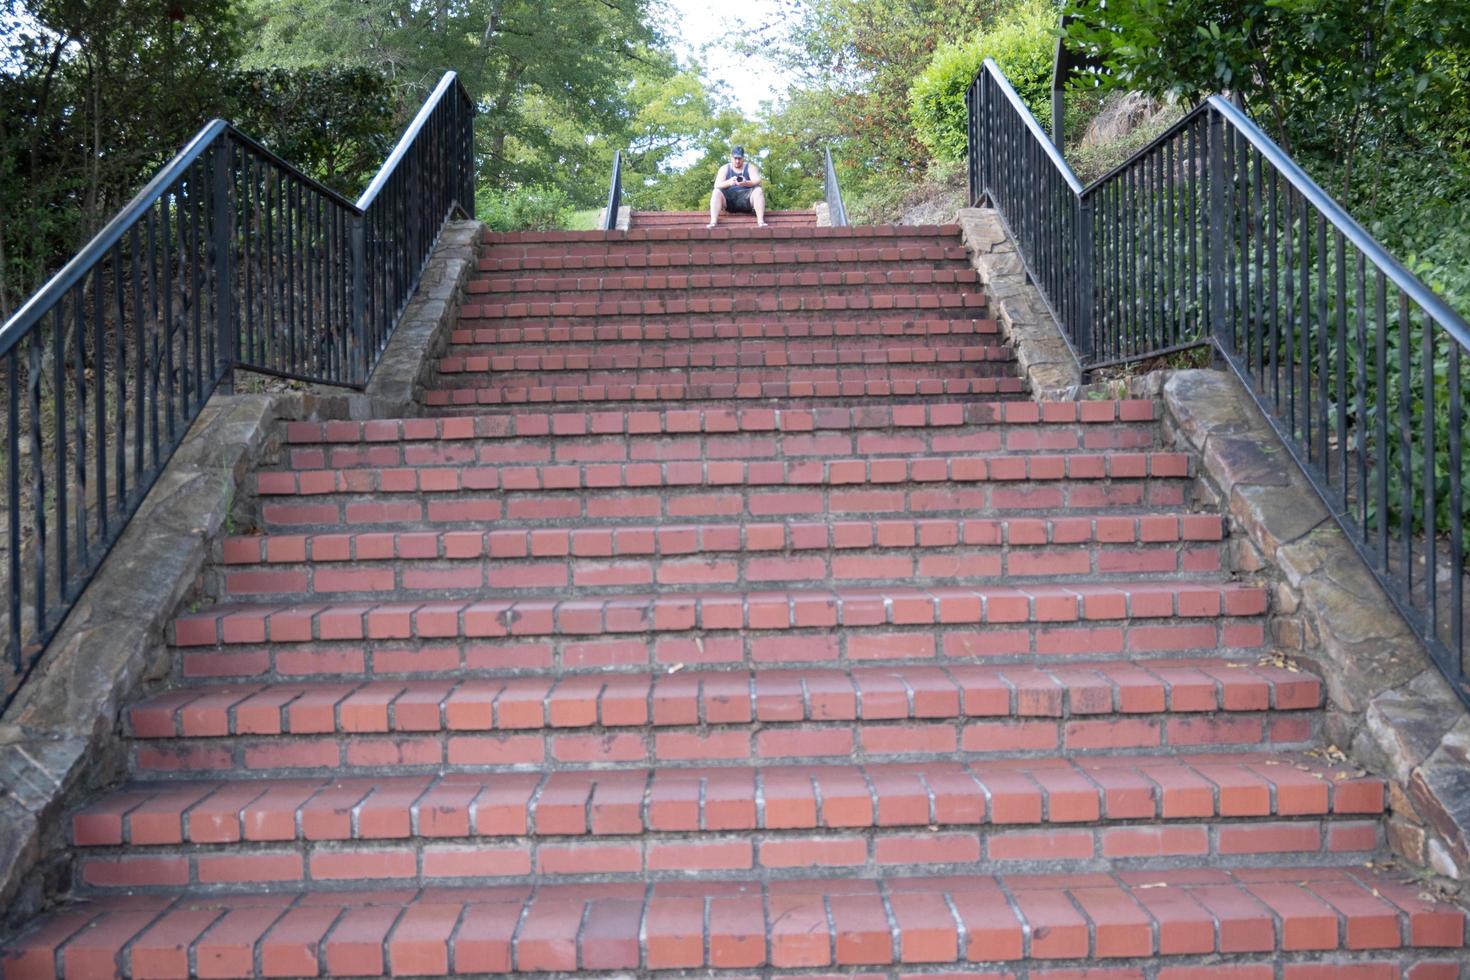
(459, 398)
(935, 551)
(784, 333)
(464, 359)
(1014, 422)
(1187, 917)
(769, 696)
(663, 282)
(833, 796)
(843, 256)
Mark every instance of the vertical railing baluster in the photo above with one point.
(140, 357)
(79, 457)
(1406, 446)
(227, 343)
(1384, 456)
(58, 391)
(38, 481)
(1431, 511)
(1215, 179)
(1455, 436)
(1258, 313)
(1361, 391)
(99, 398)
(1324, 336)
(120, 372)
(15, 592)
(166, 329)
(1342, 367)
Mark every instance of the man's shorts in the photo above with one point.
(738, 199)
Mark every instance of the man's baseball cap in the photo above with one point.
(737, 151)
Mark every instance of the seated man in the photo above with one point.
(738, 188)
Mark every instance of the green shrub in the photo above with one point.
(535, 208)
(1022, 41)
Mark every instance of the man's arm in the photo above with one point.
(754, 176)
(720, 178)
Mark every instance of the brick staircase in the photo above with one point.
(732, 609)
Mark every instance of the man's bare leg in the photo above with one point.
(758, 198)
(716, 206)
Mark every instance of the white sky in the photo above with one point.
(697, 28)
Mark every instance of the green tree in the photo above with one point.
(546, 74)
(1333, 76)
(859, 58)
(1023, 43)
(93, 98)
(336, 124)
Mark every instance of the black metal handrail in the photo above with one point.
(614, 194)
(1212, 235)
(836, 210)
(229, 257)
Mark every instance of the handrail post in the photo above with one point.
(1215, 175)
(358, 235)
(228, 349)
(972, 148)
(614, 194)
(983, 97)
(1082, 339)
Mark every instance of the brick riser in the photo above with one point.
(737, 219)
(700, 679)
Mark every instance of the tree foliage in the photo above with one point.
(857, 59)
(337, 124)
(1022, 41)
(546, 74)
(94, 95)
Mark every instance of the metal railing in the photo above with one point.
(229, 257)
(836, 210)
(614, 194)
(1213, 235)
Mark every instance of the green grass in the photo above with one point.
(583, 220)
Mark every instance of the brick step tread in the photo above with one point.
(721, 278)
(732, 352)
(324, 514)
(725, 562)
(719, 611)
(738, 216)
(727, 219)
(459, 359)
(768, 330)
(748, 256)
(609, 239)
(496, 858)
(1111, 535)
(1029, 469)
(656, 377)
(488, 308)
(991, 741)
(466, 749)
(301, 649)
(722, 421)
(768, 696)
(676, 243)
(1191, 916)
(460, 399)
(622, 802)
